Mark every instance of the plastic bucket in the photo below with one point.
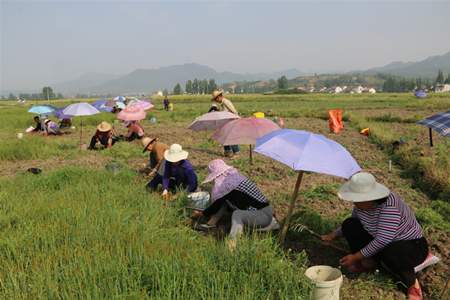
(327, 282)
(20, 135)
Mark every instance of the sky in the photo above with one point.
(48, 42)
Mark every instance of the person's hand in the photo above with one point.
(165, 195)
(328, 237)
(349, 260)
(152, 173)
(197, 213)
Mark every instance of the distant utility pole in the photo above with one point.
(48, 97)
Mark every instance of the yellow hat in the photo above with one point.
(216, 94)
(146, 141)
(104, 127)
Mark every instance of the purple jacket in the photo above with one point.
(183, 174)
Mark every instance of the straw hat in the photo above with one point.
(175, 153)
(216, 168)
(146, 141)
(362, 187)
(216, 94)
(104, 127)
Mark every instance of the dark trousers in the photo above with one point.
(233, 148)
(400, 257)
(157, 180)
(134, 136)
(94, 141)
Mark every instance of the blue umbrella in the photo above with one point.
(119, 98)
(41, 109)
(439, 122)
(101, 105)
(80, 109)
(306, 151)
(420, 94)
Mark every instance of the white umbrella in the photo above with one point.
(79, 110)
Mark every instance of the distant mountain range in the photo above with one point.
(427, 68)
(148, 80)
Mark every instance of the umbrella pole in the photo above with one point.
(250, 153)
(431, 136)
(81, 132)
(285, 226)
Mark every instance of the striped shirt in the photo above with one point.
(389, 222)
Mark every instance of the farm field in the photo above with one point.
(80, 231)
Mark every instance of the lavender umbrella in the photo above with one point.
(80, 109)
(101, 105)
(60, 114)
(306, 151)
(212, 120)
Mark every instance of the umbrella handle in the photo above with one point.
(250, 154)
(285, 226)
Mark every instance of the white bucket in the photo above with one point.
(327, 282)
(20, 135)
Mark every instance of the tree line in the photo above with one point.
(394, 84)
(46, 94)
(196, 86)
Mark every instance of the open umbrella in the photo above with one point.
(101, 105)
(212, 120)
(439, 122)
(119, 98)
(244, 132)
(306, 151)
(61, 115)
(420, 94)
(145, 105)
(80, 110)
(42, 109)
(131, 114)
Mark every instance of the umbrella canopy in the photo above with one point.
(244, 131)
(420, 94)
(80, 109)
(101, 105)
(119, 98)
(131, 114)
(306, 151)
(60, 114)
(42, 109)
(439, 122)
(145, 105)
(212, 120)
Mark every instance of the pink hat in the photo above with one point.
(216, 168)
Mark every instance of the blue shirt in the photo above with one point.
(183, 174)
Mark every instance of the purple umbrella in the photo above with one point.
(60, 114)
(212, 120)
(80, 109)
(306, 151)
(101, 105)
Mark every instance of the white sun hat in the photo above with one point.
(362, 187)
(175, 153)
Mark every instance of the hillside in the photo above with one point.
(146, 80)
(427, 68)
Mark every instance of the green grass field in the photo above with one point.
(80, 231)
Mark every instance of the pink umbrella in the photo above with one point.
(244, 132)
(131, 114)
(212, 120)
(145, 105)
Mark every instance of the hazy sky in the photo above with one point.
(48, 42)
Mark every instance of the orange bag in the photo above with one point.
(335, 120)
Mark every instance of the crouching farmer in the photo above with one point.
(178, 173)
(382, 229)
(238, 194)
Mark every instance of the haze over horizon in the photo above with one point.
(43, 43)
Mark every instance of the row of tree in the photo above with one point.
(46, 94)
(398, 84)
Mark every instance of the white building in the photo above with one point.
(372, 91)
(442, 88)
(358, 90)
(338, 90)
(159, 93)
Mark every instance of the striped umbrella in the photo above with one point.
(439, 122)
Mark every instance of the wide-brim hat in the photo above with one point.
(175, 153)
(104, 127)
(362, 187)
(216, 94)
(147, 141)
(216, 168)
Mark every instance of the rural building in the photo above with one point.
(338, 90)
(442, 88)
(358, 90)
(372, 91)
